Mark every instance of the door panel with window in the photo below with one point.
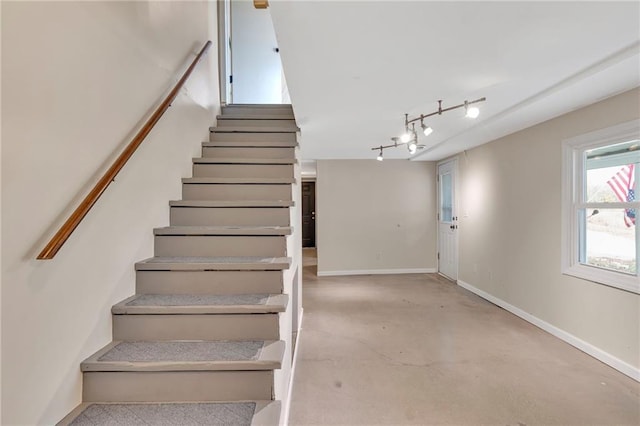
(447, 221)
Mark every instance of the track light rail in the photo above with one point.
(410, 136)
(440, 110)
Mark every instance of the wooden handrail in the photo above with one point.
(81, 211)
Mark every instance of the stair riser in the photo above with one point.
(209, 282)
(196, 327)
(240, 216)
(211, 246)
(231, 192)
(283, 124)
(240, 152)
(244, 170)
(245, 111)
(177, 386)
(259, 137)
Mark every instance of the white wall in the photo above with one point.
(292, 277)
(77, 80)
(510, 200)
(375, 217)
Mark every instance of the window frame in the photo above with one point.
(573, 180)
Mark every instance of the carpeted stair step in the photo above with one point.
(244, 167)
(278, 124)
(171, 371)
(198, 317)
(231, 203)
(161, 304)
(223, 230)
(210, 241)
(239, 128)
(187, 355)
(198, 215)
(248, 152)
(269, 161)
(254, 137)
(237, 142)
(210, 276)
(244, 413)
(258, 110)
(239, 181)
(214, 263)
(244, 189)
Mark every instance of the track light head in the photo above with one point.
(379, 157)
(426, 130)
(413, 147)
(471, 112)
(405, 137)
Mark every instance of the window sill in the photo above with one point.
(630, 283)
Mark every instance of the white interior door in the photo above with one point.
(255, 58)
(447, 220)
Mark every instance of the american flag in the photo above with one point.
(622, 184)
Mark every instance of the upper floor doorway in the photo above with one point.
(250, 65)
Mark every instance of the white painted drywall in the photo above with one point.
(309, 169)
(510, 205)
(256, 67)
(77, 80)
(375, 216)
(282, 377)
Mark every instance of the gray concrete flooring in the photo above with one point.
(418, 349)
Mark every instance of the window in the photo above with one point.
(601, 171)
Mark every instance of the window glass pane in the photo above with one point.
(446, 209)
(609, 240)
(610, 184)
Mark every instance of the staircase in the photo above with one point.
(207, 337)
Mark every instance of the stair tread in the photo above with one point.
(231, 203)
(240, 160)
(187, 355)
(249, 144)
(239, 181)
(274, 120)
(258, 115)
(227, 263)
(253, 129)
(201, 304)
(261, 106)
(224, 230)
(246, 413)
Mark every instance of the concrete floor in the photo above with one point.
(417, 349)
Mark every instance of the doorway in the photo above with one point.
(308, 214)
(447, 220)
(257, 74)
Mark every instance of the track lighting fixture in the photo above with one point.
(410, 137)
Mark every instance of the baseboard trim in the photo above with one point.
(605, 357)
(377, 272)
(287, 405)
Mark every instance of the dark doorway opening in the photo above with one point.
(308, 214)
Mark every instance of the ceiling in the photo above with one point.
(355, 68)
